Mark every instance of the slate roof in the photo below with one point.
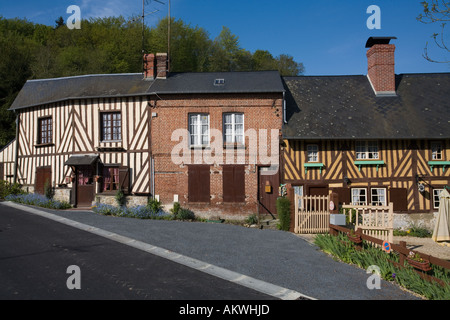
(346, 107)
(39, 92)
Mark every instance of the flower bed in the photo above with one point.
(139, 212)
(343, 249)
(35, 199)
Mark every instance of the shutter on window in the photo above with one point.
(233, 183)
(124, 179)
(239, 183)
(399, 196)
(2, 171)
(343, 194)
(199, 183)
(228, 179)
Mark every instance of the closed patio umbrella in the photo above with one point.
(442, 227)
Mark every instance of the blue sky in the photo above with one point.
(327, 36)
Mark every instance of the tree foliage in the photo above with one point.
(115, 45)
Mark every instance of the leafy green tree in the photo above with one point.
(288, 67)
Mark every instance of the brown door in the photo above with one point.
(43, 175)
(85, 186)
(268, 190)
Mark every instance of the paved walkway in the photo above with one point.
(267, 257)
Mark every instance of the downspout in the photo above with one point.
(16, 160)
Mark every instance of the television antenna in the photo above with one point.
(144, 14)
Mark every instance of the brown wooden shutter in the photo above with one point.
(2, 171)
(124, 179)
(199, 183)
(228, 183)
(399, 196)
(343, 194)
(233, 183)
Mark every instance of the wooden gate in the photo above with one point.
(375, 221)
(312, 214)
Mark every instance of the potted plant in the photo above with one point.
(416, 261)
(354, 237)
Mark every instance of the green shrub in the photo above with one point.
(414, 231)
(176, 208)
(154, 205)
(48, 190)
(284, 213)
(7, 188)
(185, 214)
(252, 219)
(120, 197)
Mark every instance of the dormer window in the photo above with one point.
(219, 82)
(436, 151)
(366, 150)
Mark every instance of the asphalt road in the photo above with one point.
(35, 254)
(263, 258)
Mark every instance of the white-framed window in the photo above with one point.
(436, 193)
(111, 126)
(233, 128)
(199, 129)
(366, 150)
(359, 196)
(378, 196)
(298, 190)
(436, 151)
(313, 152)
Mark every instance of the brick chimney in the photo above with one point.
(155, 66)
(162, 66)
(149, 66)
(381, 65)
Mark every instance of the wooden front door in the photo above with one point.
(85, 186)
(43, 175)
(268, 185)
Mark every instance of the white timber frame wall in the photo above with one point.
(77, 131)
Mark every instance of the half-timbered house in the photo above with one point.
(371, 139)
(90, 136)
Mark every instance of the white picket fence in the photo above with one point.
(375, 221)
(312, 214)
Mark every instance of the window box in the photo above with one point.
(360, 163)
(313, 165)
(439, 163)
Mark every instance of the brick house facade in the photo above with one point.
(108, 132)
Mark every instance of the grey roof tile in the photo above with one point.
(39, 92)
(346, 107)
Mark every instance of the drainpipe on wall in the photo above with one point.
(284, 107)
(16, 160)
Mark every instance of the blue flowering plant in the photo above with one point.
(35, 199)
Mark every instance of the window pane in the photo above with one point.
(239, 118)
(228, 118)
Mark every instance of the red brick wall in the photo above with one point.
(261, 111)
(381, 67)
